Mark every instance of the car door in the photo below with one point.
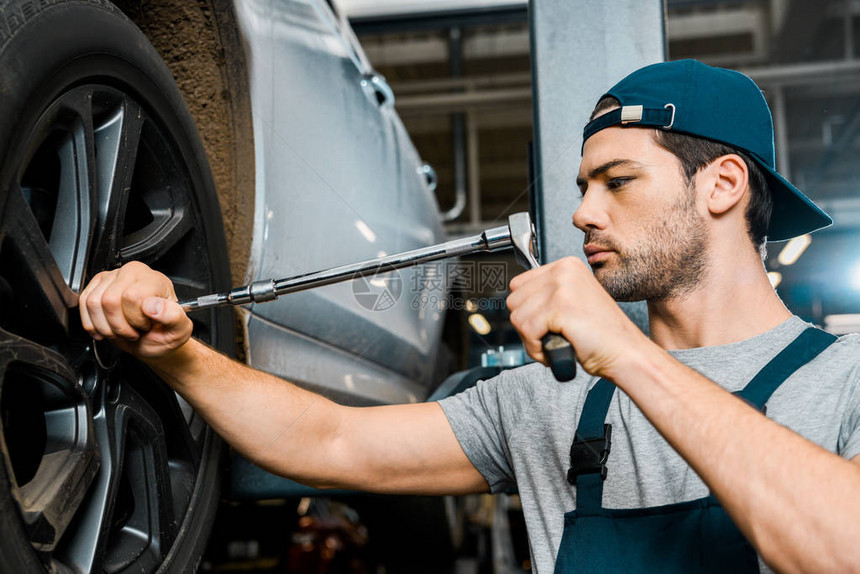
(334, 187)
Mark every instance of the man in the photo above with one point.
(678, 221)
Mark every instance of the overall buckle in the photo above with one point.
(588, 456)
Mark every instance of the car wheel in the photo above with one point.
(104, 468)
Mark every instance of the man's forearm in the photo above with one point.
(273, 423)
(797, 503)
(407, 449)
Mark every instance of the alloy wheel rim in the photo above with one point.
(101, 455)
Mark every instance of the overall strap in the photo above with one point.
(808, 345)
(591, 445)
(592, 441)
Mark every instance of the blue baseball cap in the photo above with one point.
(687, 96)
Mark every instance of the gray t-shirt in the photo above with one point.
(517, 429)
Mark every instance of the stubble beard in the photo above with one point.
(669, 262)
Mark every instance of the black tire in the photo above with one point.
(104, 468)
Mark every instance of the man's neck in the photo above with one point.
(730, 305)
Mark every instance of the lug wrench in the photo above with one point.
(519, 234)
(557, 350)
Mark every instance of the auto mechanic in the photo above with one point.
(725, 440)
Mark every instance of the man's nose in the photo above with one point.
(591, 213)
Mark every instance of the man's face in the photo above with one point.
(644, 238)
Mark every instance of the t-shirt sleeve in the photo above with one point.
(849, 434)
(484, 417)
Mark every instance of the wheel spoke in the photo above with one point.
(128, 518)
(81, 544)
(182, 438)
(117, 130)
(143, 518)
(169, 227)
(48, 432)
(28, 265)
(71, 231)
(182, 426)
(159, 213)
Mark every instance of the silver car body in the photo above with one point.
(337, 181)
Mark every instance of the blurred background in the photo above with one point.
(460, 71)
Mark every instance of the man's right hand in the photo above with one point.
(137, 308)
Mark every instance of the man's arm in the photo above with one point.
(279, 426)
(798, 504)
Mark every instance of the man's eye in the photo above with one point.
(617, 182)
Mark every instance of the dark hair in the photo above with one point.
(694, 153)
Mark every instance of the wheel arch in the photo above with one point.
(201, 45)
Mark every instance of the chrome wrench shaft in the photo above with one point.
(494, 239)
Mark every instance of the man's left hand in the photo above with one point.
(564, 297)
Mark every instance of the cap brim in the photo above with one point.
(793, 213)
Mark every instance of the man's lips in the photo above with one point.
(596, 253)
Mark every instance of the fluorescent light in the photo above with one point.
(855, 277)
(365, 230)
(775, 278)
(479, 323)
(794, 249)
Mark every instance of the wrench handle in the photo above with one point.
(557, 350)
(560, 356)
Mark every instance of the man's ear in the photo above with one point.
(727, 181)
